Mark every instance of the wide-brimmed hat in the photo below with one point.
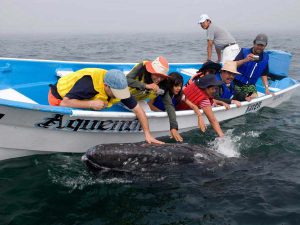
(210, 65)
(230, 66)
(159, 66)
(117, 82)
(207, 81)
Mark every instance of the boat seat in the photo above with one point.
(189, 72)
(13, 95)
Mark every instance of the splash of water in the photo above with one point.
(230, 144)
(227, 146)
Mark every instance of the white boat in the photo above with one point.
(28, 125)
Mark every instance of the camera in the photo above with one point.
(255, 57)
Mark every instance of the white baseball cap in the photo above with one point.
(203, 17)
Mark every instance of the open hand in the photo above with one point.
(174, 134)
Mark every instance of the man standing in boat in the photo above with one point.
(96, 89)
(225, 44)
(252, 64)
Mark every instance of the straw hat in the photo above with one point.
(230, 66)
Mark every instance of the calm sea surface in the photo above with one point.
(261, 186)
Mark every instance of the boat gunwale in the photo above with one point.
(113, 114)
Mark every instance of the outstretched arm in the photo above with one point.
(172, 117)
(201, 123)
(213, 120)
(210, 44)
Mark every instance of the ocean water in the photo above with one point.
(258, 183)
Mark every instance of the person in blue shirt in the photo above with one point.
(226, 92)
(252, 64)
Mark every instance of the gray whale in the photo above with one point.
(144, 157)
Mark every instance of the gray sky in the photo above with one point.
(97, 16)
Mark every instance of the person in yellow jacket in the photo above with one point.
(96, 89)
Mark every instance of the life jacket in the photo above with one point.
(158, 103)
(142, 94)
(227, 92)
(196, 95)
(252, 70)
(66, 83)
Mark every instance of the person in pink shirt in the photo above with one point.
(201, 93)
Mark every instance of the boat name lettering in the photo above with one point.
(58, 122)
(253, 107)
(1, 115)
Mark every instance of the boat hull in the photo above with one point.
(28, 125)
(26, 132)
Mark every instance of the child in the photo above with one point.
(174, 88)
(200, 93)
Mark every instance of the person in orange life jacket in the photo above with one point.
(208, 67)
(145, 82)
(174, 89)
(252, 64)
(201, 93)
(96, 89)
(226, 92)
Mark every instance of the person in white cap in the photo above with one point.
(96, 89)
(145, 81)
(225, 44)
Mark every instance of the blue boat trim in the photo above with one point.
(36, 107)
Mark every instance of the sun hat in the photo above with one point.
(230, 66)
(210, 65)
(203, 17)
(208, 80)
(117, 82)
(261, 39)
(159, 66)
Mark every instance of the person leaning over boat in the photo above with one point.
(225, 44)
(96, 89)
(145, 82)
(252, 64)
(174, 88)
(226, 91)
(201, 93)
(208, 67)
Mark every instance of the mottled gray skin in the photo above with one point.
(145, 157)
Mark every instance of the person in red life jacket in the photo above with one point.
(174, 89)
(146, 81)
(201, 93)
(226, 92)
(208, 67)
(96, 89)
(252, 64)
